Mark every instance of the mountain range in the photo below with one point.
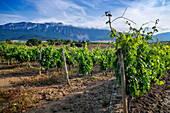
(27, 30)
(162, 36)
(44, 31)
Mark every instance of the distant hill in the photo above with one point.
(27, 30)
(44, 31)
(162, 36)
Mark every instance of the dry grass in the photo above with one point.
(16, 100)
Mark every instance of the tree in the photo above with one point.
(40, 41)
(32, 42)
(69, 41)
(49, 40)
(83, 42)
(8, 41)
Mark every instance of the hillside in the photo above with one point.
(44, 31)
(163, 36)
(27, 30)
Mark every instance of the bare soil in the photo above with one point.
(157, 100)
(86, 94)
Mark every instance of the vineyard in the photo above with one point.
(52, 57)
(145, 65)
(93, 73)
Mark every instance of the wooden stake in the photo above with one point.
(29, 64)
(123, 81)
(65, 67)
(40, 61)
(8, 62)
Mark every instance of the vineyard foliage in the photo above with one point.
(85, 61)
(144, 63)
(52, 56)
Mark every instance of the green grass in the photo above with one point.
(105, 102)
(91, 77)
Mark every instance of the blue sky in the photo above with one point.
(86, 13)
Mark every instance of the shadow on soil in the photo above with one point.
(94, 98)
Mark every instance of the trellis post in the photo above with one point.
(65, 67)
(123, 80)
(40, 61)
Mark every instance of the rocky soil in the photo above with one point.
(86, 94)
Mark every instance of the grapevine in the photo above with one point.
(144, 63)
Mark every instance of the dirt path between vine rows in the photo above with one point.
(87, 94)
(95, 98)
(82, 96)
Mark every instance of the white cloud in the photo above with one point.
(44, 20)
(163, 2)
(6, 18)
(81, 37)
(139, 11)
(67, 12)
(92, 3)
(11, 15)
(88, 4)
(145, 11)
(87, 13)
(93, 22)
(58, 8)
